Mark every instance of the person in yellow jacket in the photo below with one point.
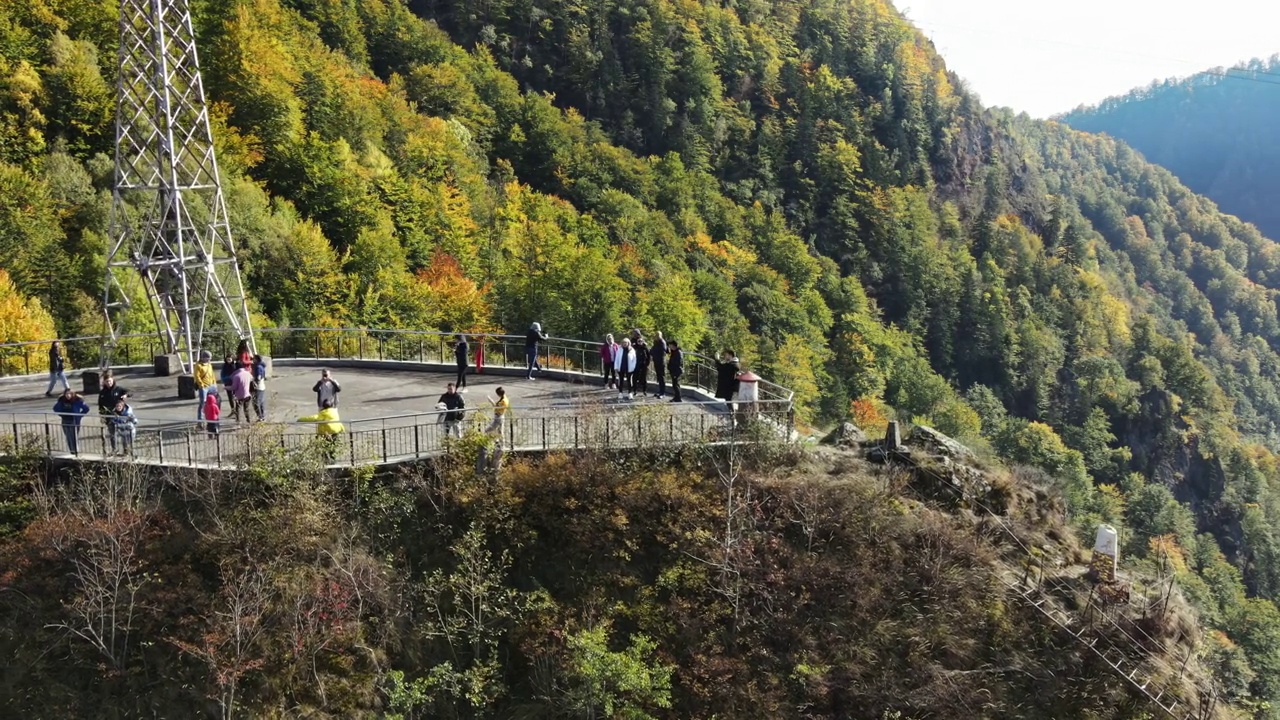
(205, 380)
(328, 426)
(327, 420)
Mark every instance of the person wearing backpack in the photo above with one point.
(258, 388)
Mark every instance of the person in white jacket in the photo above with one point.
(624, 364)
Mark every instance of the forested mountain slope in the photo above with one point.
(803, 181)
(1215, 130)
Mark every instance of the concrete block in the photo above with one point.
(187, 387)
(92, 382)
(167, 365)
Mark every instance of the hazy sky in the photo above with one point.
(1046, 56)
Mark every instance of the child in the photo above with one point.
(212, 413)
(122, 423)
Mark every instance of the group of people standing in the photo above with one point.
(626, 365)
(113, 407)
(244, 379)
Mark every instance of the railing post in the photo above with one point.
(384, 444)
(417, 439)
(190, 459)
(575, 432)
(351, 436)
(544, 432)
(48, 441)
(607, 428)
(420, 350)
(317, 354)
(217, 446)
(511, 433)
(160, 445)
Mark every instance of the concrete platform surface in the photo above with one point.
(367, 394)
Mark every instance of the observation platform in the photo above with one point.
(390, 382)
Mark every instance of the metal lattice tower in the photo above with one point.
(169, 226)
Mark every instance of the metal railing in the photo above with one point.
(505, 351)
(399, 438)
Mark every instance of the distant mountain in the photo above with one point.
(1216, 131)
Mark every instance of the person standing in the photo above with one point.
(72, 408)
(640, 380)
(727, 369)
(241, 393)
(57, 369)
(624, 364)
(244, 356)
(228, 371)
(328, 427)
(110, 395)
(258, 388)
(460, 355)
(500, 407)
(326, 390)
(658, 354)
(122, 424)
(675, 366)
(531, 340)
(212, 413)
(206, 382)
(608, 349)
(453, 402)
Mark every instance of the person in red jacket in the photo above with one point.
(608, 350)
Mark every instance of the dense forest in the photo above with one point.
(1214, 130)
(804, 182)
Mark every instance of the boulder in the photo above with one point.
(935, 443)
(845, 435)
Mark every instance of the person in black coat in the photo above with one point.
(57, 369)
(658, 355)
(640, 380)
(675, 366)
(727, 370)
(110, 395)
(452, 420)
(531, 340)
(460, 355)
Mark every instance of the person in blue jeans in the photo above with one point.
(258, 388)
(57, 369)
(72, 408)
(531, 349)
(122, 424)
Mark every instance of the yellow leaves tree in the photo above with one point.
(453, 301)
(22, 319)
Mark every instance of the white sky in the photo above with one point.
(1048, 56)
